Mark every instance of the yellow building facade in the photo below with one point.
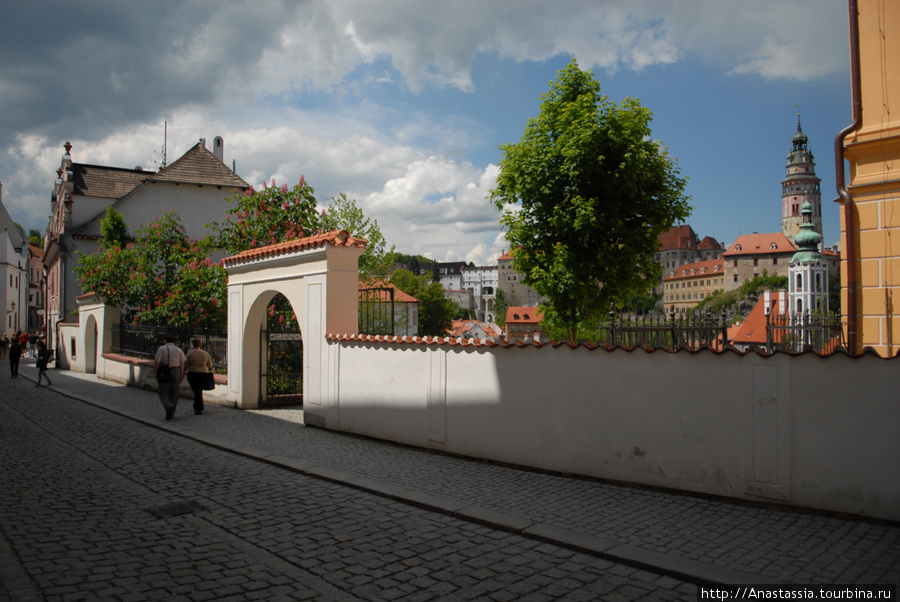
(870, 216)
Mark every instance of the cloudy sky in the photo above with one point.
(402, 104)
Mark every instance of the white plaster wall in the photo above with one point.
(797, 430)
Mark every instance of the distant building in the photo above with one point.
(523, 323)
(685, 286)
(799, 187)
(195, 187)
(808, 270)
(483, 281)
(36, 290)
(680, 245)
(14, 273)
(510, 282)
(473, 329)
(753, 254)
(385, 309)
(753, 333)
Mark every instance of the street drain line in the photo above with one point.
(176, 509)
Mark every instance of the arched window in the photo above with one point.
(799, 285)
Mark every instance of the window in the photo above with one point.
(755, 261)
(735, 262)
(735, 277)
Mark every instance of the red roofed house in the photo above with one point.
(473, 329)
(522, 323)
(685, 286)
(375, 309)
(752, 332)
(751, 254)
(680, 245)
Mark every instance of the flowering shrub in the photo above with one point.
(268, 216)
(162, 277)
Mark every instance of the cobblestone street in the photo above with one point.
(243, 505)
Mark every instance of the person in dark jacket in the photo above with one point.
(15, 352)
(43, 358)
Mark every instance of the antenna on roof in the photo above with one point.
(165, 142)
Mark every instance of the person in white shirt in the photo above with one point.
(172, 357)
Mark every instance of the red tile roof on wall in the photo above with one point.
(760, 244)
(335, 238)
(523, 315)
(685, 271)
(505, 257)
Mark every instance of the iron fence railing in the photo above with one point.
(143, 341)
(823, 334)
(694, 330)
(381, 313)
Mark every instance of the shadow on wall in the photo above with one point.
(781, 427)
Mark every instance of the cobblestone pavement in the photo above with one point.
(85, 509)
(499, 533)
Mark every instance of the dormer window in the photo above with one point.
(737, 247)
(773, 246)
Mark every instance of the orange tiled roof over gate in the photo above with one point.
(335, 238)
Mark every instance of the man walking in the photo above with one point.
(15, 352)
(172, 358)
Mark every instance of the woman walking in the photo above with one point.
(199, 370)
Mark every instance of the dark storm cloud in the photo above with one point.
(96, 65)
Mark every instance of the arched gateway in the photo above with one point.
(318, 275)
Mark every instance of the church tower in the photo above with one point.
(801, 186)
(807, 271)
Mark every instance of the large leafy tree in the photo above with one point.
(585, 194)
(161, 277)
(344, 214)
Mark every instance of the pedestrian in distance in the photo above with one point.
(199, 371)
(43, 358)
(15, 352)
(4, 346)
(171, 359)
(32, 344)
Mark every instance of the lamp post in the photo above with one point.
(12, 310)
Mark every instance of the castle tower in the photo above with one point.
(799, 187)
(807, 270)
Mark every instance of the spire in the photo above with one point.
(807, 240)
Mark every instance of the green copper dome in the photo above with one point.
(807, 240)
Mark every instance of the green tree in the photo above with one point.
(500, 307)
(113, 229)
(435, 310)
(35, 237)
(585, 194)
(344, 214)
(162, 277)
(268, 216)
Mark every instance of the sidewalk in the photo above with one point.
(697, 539)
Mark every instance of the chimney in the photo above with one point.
(219, 148)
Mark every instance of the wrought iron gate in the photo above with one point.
(281, 372)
